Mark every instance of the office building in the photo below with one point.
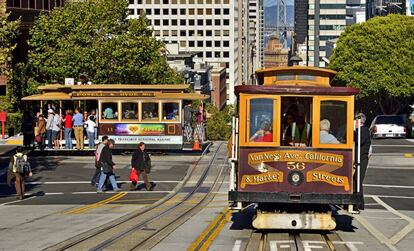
(256, 36)
(274, 53)
(209, 28)
(385, 7)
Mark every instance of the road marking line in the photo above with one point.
(403, 232)
(237, 245)
(16, 201)
(375, 232)
(388, 186)
(97, 204)
(213, 229)
(94, 192)
(87, 182)
(388, 196)
(393, 146)
(408, 155)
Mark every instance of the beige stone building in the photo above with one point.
(274, 54)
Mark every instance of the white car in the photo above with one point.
(388, 126)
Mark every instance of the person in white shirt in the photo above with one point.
(56, 126)
(90, 130)
(325, 136)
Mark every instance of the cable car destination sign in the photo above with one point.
(112, 94)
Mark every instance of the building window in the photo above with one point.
(174, 1)
(226, 43)
(217, 54)
(191, 22)
(156, 11)
(131, 12)
(208, 22)
(200, 22)
(226, 22)
(209, 33)
(183, 2)
(200, 1)
(148, 1)
(332, 6)
(217, 1)
(226, 1)
(165, 22)
(165, 33)
(191, 11)
(156, 22)
(139, 1)
(174, 12)
(208, 54)
(217, 44)
(148, 11)
(217, 33)
(200, 44)
(200, 11)
(191, 33)
(183, 44)
(200, 33)
(165, 11)
(226, 54)
(174, 33)
(182, 11)
(157, 2)
(209, 1)
(165, 1)
(131, 1)
(191, 44)
(174, 22)
(217, 11)
(183, 22)
(209, 11)
(209, 43)
(226, 11)
(226, 33)
(157, 33)
(183, 33)
(217, 22)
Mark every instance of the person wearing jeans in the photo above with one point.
(107, 167)
(90, 130)
(68, 129)
(49, 128)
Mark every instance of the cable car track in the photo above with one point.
(173, 210)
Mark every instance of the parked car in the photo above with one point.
(388, 126)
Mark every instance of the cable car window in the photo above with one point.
(296, 125)
(149, 111)
(307, 77)
(110, 110)
(130, 111)
(333, 122)
(261, 120)
(170, 111)
(285, 76)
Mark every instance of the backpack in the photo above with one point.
(147, 162)
(21, 165)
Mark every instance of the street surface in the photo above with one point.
(62, 204)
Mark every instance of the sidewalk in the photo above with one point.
(16, 140)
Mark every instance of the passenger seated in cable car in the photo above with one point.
(300, 133)
(264, 134)
(325, 136)
(287, 129)
(108, 113)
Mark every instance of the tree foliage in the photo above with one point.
(9, 30)
(219, 124)
(96, 38)
(377, 57)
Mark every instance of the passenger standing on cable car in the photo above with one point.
(365, 150)
(78, 129)
(188, 119)
(49, 128)
(67, 120)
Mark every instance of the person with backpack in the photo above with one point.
(19, 168)
(141, 162)
(107, 167)
(98, 151)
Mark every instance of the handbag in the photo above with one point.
(38, 138)
(133, 176)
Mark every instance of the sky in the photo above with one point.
(274, 2)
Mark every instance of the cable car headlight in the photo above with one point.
(296, 178)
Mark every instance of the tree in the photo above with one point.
(377, 57)
(219, 124)
(94, 37)
(9, 30)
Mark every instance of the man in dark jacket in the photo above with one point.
(188, 118)
(107, 167)
(138, 163)
(364, 153)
